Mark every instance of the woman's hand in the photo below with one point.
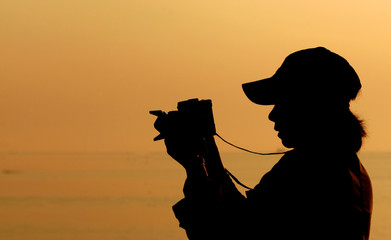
(189, 152)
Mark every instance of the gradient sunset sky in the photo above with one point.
(81, 75)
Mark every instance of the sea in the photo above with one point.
(115, 196)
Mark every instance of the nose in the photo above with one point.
(273, 115)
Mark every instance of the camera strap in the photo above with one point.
(236, 180)
(246, 150)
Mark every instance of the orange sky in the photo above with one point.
(82, 75)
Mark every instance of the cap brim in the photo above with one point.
(263, 92)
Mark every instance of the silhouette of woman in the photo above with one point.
(318, 190)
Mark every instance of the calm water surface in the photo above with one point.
(127, 196)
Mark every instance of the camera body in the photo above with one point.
(193, 118)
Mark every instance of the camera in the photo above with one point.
(193, 118)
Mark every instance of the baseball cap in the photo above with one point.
(314, 74)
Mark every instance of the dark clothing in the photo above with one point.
(304, 196)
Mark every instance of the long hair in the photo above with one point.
(355, 131)
(339, 126)
(348, 130)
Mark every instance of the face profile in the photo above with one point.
(290, 123)
(285, 130)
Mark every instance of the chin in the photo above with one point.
(288, 143)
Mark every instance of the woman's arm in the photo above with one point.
(212, 202)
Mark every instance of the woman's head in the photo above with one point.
(311, 92)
